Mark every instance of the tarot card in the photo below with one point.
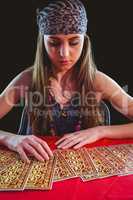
(14, 177)
(91, 172)
(128, 147)
(41, 175)
(103, 166)
(6, 158)
(115, 161)
(62, 169)
(79, 163)
(125, 155)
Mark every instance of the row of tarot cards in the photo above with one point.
(87, 163)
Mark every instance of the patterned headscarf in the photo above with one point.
(67, 17)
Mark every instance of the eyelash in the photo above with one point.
(54, 44)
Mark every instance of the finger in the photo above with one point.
(22, 154)
(81, 144)
(63, 138)
(87, 141)
(68, 140)
(72, 143)
(66, 136)
(45, 146)
(31, 150)
(39, 149)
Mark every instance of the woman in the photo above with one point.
(63, 78)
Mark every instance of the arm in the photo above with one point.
(106, 88)
(21, 144)
(120, 100)
(14, 91)
(117, 131)
(3, 136)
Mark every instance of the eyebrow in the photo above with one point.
(75, 37)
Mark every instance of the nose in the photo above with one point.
(64, 50)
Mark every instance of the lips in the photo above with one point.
(65, 62)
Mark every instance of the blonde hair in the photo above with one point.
(84, 72)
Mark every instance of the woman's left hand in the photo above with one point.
(80, 138)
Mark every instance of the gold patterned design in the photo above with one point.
(91, 172)
(15, 176)
(104, 167)
(6, 158)
(62, 169)
(41, 175)
(125, 154)
(116, 161)
(78, 162)
(89, 164)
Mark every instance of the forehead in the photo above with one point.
(63, 37)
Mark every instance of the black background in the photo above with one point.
(110, 30)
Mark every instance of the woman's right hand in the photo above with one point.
(29, 144)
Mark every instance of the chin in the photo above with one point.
(64, 67)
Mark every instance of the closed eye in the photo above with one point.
(54, 43)
(74, 43)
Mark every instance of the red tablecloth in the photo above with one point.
(112, 188)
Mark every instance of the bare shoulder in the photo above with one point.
(106, 85)
(101, 79)
(14, 91)
(114, 93)
(24, 78)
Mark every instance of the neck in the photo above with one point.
(60, 75)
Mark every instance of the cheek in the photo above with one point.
(77, 52)
(51, 52)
